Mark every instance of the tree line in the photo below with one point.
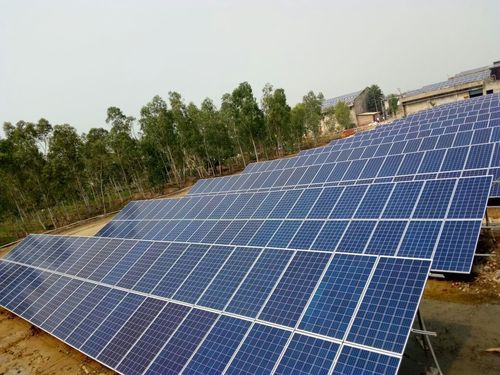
(43, 166)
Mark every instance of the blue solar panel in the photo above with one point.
(178, 350)
(95, 316)
(457, 246)
(330, 235)
(386, 237)
(325, 203)
(434, 199)
(388, 307)
(125, 338)
(119, 315)
(217, 349)
(293, 290)
(466, 200)
(337, 296)
(356, 236)
(354, 361)
(260, 350)
(174, 277)
(259, 282)
(348, 202)
(374, 201)
(307, 355)
(194, 285)
(306, 234)
(153, 339)
(229, 277)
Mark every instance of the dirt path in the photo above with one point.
(464, 332)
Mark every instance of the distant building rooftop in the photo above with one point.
(347, 99)
(473, 75)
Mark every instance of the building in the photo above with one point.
(367, 118)
(463, 85)
(356, 102)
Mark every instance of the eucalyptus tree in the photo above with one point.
(188, 134)
(22, 167)
(124, 146)
(217, 143)
(241, 111)
(98, 165)
(277, 116)
(160, 143)
(65, 164)
(312, 113)
(297, 125)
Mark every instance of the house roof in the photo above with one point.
(478, 74)
(347, 99)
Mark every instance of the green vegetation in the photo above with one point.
(51, 175)
(343, 115)
(375, 99)
(393, 104)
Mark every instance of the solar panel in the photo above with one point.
(282, 302)
(316, 219)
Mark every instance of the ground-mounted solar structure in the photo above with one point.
(312, 264)
(113, 300)
(381, 219)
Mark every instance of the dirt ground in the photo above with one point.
(464, 312)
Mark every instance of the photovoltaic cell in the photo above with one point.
(229, 277)
(307, 355)
(260, 350)
(330, 235)
(258, 284)
(354, 361)
(386, 313)
(183, 343)
(293, 290)
(356, 236)
(217, 349)
(386, 238)
(158, 333)
(333, 304)
(456, 246)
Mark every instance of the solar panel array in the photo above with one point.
(347, 98)
(454, 81)
(156, 308)
(460, 139)
(382, 219)
(301, 275)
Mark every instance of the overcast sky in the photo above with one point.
(68, 61)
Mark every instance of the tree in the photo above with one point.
(124, 147)
(343, 115)
(312, 113)
(276, 115)
(374, 99)
(240, 110)
(160, 143)
(329, 119)
(66, 164)
(188, 133)
(297, 125)
(393, 104)
(97, 160)
(217, 143)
